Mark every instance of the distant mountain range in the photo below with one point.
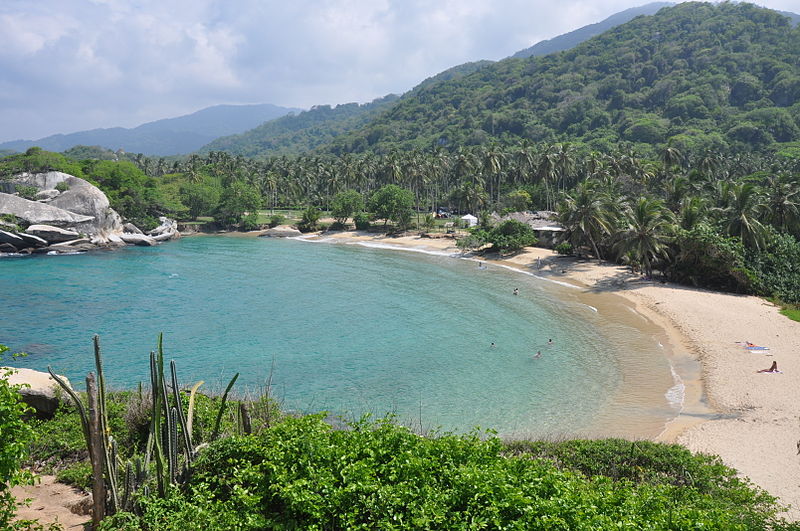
(170, 136)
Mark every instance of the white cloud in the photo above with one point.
(68, 65)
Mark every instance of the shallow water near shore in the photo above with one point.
(348, 329)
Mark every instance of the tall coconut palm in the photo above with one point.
(742, 213)
(648, 227)
(783, 202)
(586, 216)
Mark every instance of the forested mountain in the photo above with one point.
(170, 136)
(574, 38)
(701, 76)
(298, 133)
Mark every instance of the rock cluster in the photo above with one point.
(68, 215)
(38, 390)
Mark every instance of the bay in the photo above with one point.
(347, 329)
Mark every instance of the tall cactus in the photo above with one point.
(168, 425)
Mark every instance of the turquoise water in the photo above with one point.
(343, 328)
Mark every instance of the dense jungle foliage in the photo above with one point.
(700, 76)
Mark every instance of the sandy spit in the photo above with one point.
(754, 420)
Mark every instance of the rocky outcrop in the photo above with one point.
(281, 231)
(21, 240)
(131, 228)
(138, 239)
(39, 389)
(47, 195)
(62, 217)
(52, 234)
(36, 213)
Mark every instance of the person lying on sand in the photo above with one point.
(773, 368)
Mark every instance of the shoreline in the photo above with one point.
(750, 420)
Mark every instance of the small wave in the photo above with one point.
(393, 247)
(66, 253)
(375, 245)
(676, 394)
(311, 238)
(591, 308)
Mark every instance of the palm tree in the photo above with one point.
(742, 212)
(648, 228)
(586, 216)
(783, 202)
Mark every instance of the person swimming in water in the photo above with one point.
(516, 291)
(538, 355)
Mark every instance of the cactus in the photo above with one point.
(162, 449)
(222, 407)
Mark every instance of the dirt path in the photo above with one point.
(54, 502)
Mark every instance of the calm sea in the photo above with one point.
(348, 329)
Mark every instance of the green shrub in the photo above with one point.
(14, 436)
(309, 220)
(249, 222)
(78, 475)
(62, 186)
(302, 474)
(276, 219)
(564, 248)
(776, 267)
(362, 221)
(27, 192)
(510, 236)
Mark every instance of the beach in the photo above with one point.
(749, 419)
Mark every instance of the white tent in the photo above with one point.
(470, 219)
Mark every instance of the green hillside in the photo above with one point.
(298, 133)
(703, 76)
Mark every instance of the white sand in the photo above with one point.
(760, 431)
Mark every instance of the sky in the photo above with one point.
(73, 65)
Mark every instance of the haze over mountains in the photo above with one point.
(170, 136)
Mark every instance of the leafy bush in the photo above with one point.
(78, 475)
(344, 204)
(564, 248)
(310, 219)
(26, 192)
(13, 222)
(276, 219)
(776, 267)
(249, 222)
(703, 257)
(510, 236)
(302, 474)
(62, 186)
(362, 221)
(14, 436)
